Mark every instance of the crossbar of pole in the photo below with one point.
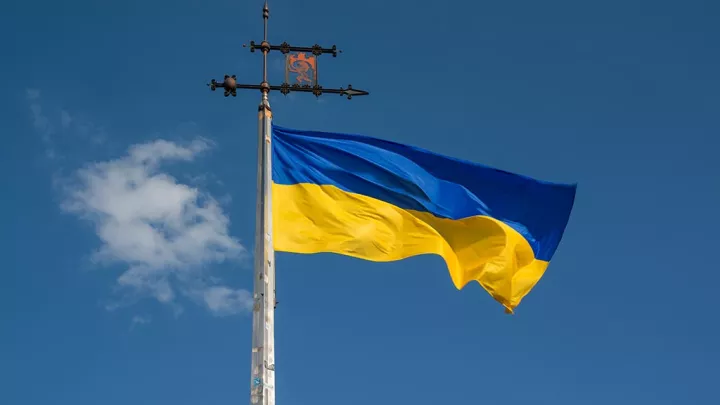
(285, 88)
(286, 48)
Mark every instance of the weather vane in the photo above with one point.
(301, 75)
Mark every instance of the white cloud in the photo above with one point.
(166, 233)
(41, 123)
(140, 320)
(59, 128)
(225, 301)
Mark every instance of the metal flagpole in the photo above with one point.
(262, 385)
(262, 388)
(262, 370)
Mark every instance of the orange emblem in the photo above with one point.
(304, 67)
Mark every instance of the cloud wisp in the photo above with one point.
(41, 122)
(140, 320)
(58, 128)
(166, 234)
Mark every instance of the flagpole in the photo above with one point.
(262, 388)
(262, 385)
(262, 369)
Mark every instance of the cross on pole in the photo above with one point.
(230, 84)
(301, 62)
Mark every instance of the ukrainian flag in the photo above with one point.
(383, 201)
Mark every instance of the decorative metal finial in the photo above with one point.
(300, 62)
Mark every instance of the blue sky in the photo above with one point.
(621, 97)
